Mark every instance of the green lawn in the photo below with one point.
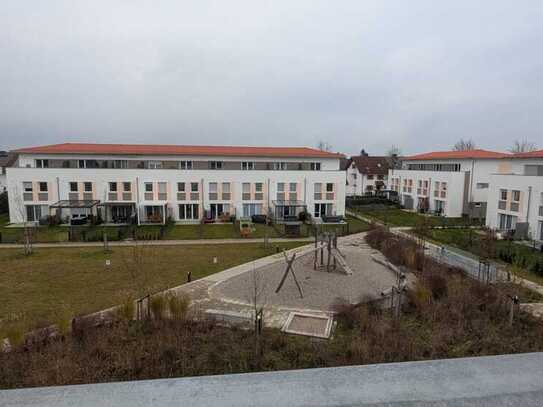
(524, 261)
(57, 284)
(399, 217)
(48, 234)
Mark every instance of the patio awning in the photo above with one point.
(117, 203)
(66, 203)
(289, 203)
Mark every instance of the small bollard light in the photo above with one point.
(108, 263)
(215, 260)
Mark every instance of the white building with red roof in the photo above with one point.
(151, 183)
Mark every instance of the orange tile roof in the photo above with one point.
(531, 154)
(156, 149)
(456, 155)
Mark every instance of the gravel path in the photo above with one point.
(321, 289)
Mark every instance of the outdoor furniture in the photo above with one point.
(262, 219)
(78, 219)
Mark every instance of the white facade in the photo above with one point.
(517, 198)
(184, 194)
(359, 183)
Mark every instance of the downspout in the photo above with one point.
(528, 204)
(138, 209)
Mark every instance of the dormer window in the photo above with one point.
(215, 165)
(315, 166)
(42, 163)
(247, 165)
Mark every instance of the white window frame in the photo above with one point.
(216, 165)
(72, 183)
(181, 187)
(315, 166)
(247, 165)
(26, 188)
(146, 184)
(42, 163)
(279, 165)
(154, 165)
(110, 184)
(185, 165)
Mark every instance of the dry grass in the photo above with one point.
(53, 285)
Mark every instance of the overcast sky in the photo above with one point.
(357, 74)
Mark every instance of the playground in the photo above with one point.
(332, 271)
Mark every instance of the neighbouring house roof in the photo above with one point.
(7, 160)
(531, 154)
(344, 163)
(455, 155)
(372, 165)
(156, 149)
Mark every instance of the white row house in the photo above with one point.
(151, 183)
(502, 188)
(366, 174)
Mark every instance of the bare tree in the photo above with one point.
(394, 151)
(464, 145)
(139, 259)
(522, 146)
(324, 146)
(28, 227)
(257, 298)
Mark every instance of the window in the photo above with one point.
(180, 187)
(252, 209)
(292, 187)
(370, 176)
(154, 165)
(258, 188)
(162, 191)
(43, 186)
(318, 191)
(188, 211)
(280, 187)
(185, 165)
(516, 196)
(280, 166)
(330, 187)
(315, 166)
(503, 194)
(87, 186)
(322, 209)
(81, 164)
(42, 163)
(213, 187)
(87, 164)
(380, 177)
(120, 164)
(73, 187)
(247, 165)
(27, 186)
(215, 165)
(148, 187)
(194, 187)
(246, 191)
(225, 187)
(113, 187)
(482, 185)
(436, 185)
(127, 186)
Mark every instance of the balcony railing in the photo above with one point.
(148, 196)
(181, 196)
(293, 196)
(280, 196)
(226, 196)
(194, 196)
(259, 196)
(246, 196)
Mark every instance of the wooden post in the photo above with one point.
(316, 254)
(329, 249)
(106, 244)
(514, 301)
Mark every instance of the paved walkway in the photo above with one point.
(128, 243)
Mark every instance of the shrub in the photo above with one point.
(126, 310)
(178, 306)
(158, 306)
